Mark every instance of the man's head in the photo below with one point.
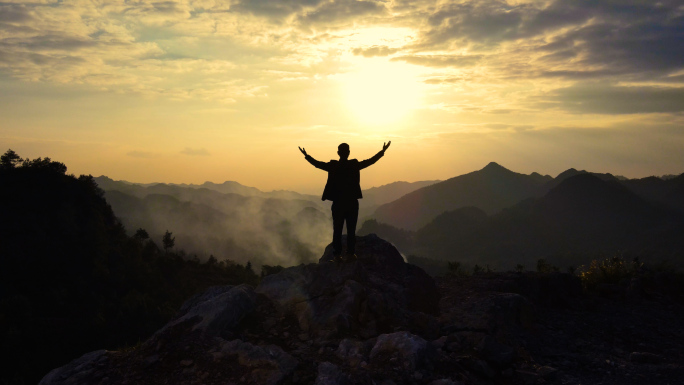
(343, 151)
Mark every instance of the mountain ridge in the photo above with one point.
(582, 216)
(494, 188)
(491, 188)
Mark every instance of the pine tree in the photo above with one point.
(169, 241)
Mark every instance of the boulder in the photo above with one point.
(266, 364)
(352, 352)
(497, 354)
(330, 374)
(374, 294)
(78, 371)
(401, 350)
(216, 310)
(480, 367)
(548, 372)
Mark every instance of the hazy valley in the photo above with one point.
(493, 216)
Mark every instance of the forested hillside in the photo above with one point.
(72, 281)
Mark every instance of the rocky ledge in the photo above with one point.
(379, 320)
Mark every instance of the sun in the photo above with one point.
(381, 91)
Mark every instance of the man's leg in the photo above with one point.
(351, 216)
(338, 223)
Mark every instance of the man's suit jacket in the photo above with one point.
(343, 177)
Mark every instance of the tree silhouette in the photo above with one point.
(141, 234)
(10, 159)
(168, 240)
(65, 256)
(45, 164)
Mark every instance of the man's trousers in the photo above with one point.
(345, 211)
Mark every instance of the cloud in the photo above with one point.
(443, 80)
(195, 151)
(141, 154)
(440, 60)
(608, 99)
(376, 50)
(500, 111)
(273, 9)
(341, 11)
(228, 51)
(55, 42)
(565, 38)
(489, 21)
(14, 13)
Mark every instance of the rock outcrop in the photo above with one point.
(378, 320)
(263, 335)
(376, 293)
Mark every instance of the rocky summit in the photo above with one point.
(379, 320)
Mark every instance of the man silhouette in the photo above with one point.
(344, 190)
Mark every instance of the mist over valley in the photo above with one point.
(493, 216)
(237, 222)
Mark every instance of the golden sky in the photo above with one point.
(190, 91)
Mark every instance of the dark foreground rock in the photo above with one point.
(376, 293)
(378, 320)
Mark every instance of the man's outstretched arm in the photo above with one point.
(314, 162)
(368, 162)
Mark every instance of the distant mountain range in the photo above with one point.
(490, 216)
(372, 197)
(490, 189)
(230, 220)
(228, 187)
(575, 216)
(494, 188)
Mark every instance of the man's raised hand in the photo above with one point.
(303, 151)
(385, 146)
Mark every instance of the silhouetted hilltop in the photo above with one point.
(108, 184)
(539, 177)
(583, 214)
(490, 189)
(573, 172)
(228, 187)
(392, 191)
(376, 196)
(587, 195)
(668, 192)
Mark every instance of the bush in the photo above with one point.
(268, 270)
(545, 267)
(612, 270)
(456, 269)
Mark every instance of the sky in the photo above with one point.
(194, 91)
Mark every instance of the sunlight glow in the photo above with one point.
(381, 91)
